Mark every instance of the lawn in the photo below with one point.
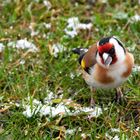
(42, 93)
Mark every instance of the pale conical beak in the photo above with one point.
(107, 59)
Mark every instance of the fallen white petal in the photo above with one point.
(1, 47)
(54, 111)
(83, 135)
(72, 75)
(84, 26)
(23, 44)
(60, 109)
(57, 48)
(116, 137)
(50, 96)
(29, 112)
(70, 131)
(138, 129)
(34, 33)
(74, 25)
(72, 33)
(36, 102)
(17, 104)
(45, 108)
(120, 15)
(93, 112)
(31, 109)
(115, 130)
(47, 4)
(22, 62)
(108, 136)
(135, 18)
(136, 68)
(47, 25)
(73, 21)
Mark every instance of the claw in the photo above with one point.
(119, 96)
(92, 101)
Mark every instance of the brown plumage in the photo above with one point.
(106, 65)
(101, 75)
(129, 61)
(90, 57)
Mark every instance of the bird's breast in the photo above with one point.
(100, 77)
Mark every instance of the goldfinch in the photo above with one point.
(106, 65)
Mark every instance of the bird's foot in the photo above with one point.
(92, 102)
(119, 96)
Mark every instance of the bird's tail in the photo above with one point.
(81, 52)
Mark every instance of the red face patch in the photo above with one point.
(104, 48)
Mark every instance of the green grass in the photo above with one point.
(42, 71)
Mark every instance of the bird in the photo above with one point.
(106, 65)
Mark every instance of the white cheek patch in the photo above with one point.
(119, 50)
(113, 41)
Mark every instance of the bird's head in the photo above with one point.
(110, 51)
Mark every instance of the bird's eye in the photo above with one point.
(111, 51)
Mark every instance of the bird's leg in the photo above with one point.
(92, 101)
(119, 95)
